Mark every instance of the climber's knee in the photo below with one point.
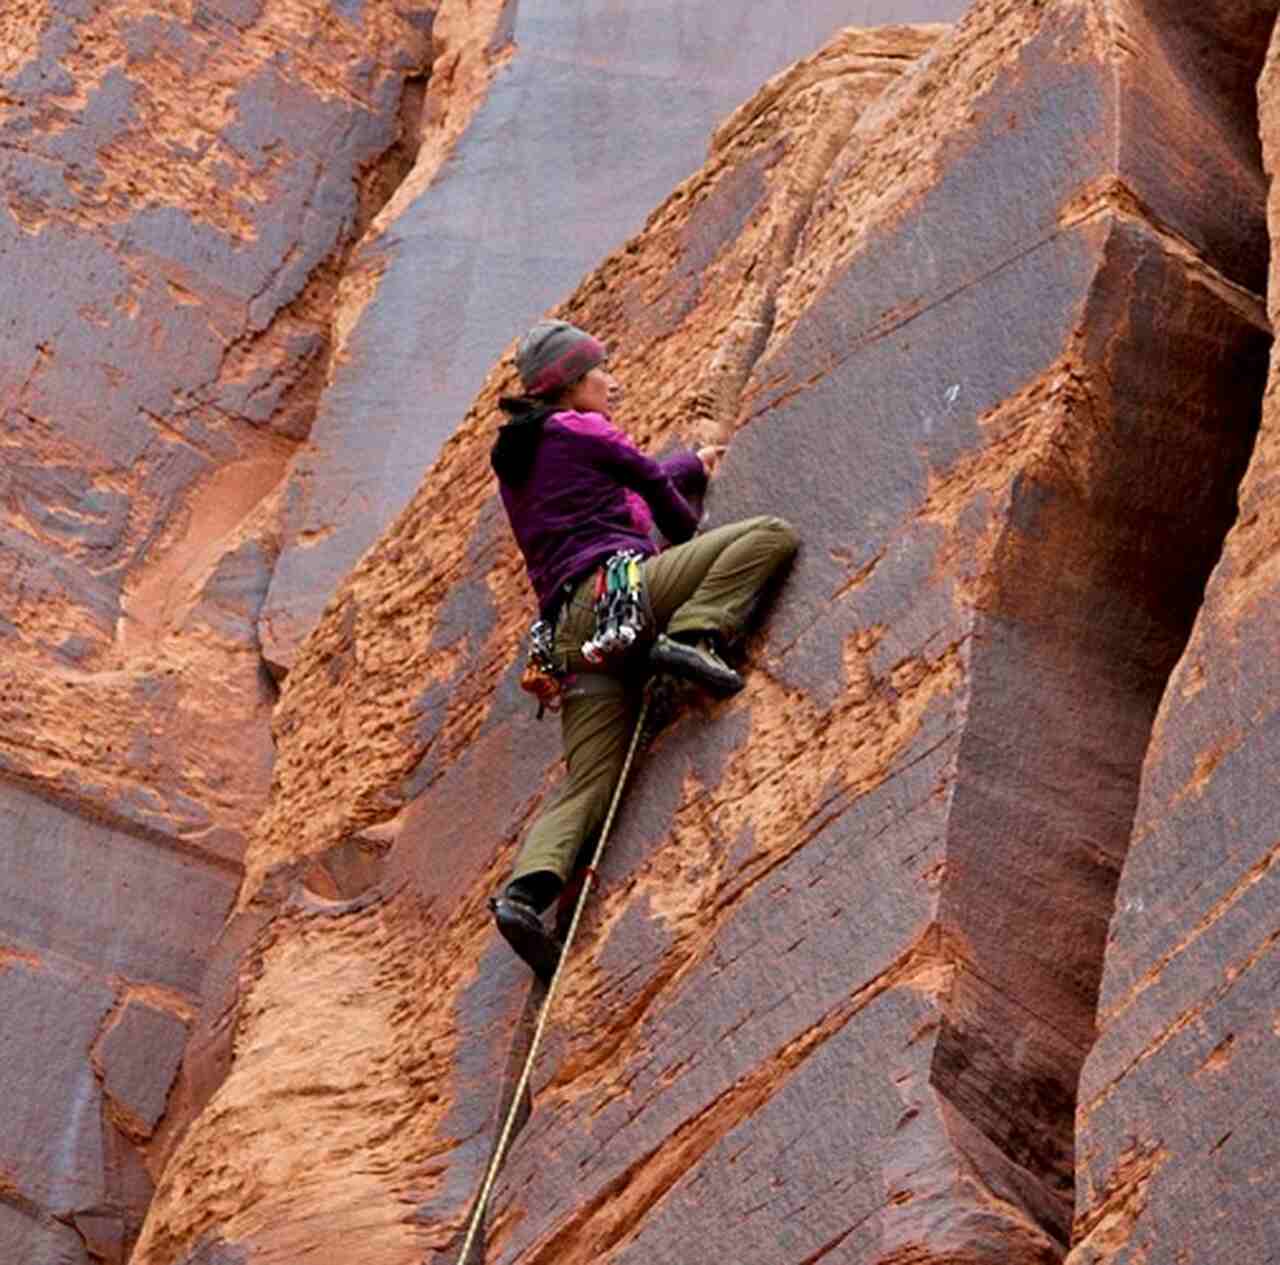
(787, 537)
(777, 536)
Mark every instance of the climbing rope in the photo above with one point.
(504, 1138)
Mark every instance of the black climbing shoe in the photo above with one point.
(697, 663)
(522, 929)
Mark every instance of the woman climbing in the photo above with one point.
(582, 501)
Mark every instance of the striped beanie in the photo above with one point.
(554, 355)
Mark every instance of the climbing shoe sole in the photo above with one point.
(522, 929)
(694, 663)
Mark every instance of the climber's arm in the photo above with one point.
(657, 482)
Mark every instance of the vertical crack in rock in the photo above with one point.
(470, 42)
(1159, 1095)
(317, 304)
(283, 357)
(1040, 822)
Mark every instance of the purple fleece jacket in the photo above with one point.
(591, 492)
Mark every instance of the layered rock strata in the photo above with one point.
(1177, 1124)
(563, 127)
(994, 344)
(181, 184)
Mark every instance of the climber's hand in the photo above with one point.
(710, 457)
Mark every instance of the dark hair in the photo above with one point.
(513, 451)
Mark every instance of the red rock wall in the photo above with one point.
(1177, 1125)
(180, 187)
(993, 339)
(429, 1043)
(985, 324)
(183, 188)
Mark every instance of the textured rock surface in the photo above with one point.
(179, 188)
(563, 127)
(985, 324)
(1178, 1128)
(181, 183)
(994, 343)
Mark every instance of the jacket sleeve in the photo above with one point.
(686, 471)
(653, 480)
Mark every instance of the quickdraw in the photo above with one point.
(542, 676)
(621, 616)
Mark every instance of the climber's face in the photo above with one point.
(596, 392)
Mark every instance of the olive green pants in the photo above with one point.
(708, 584)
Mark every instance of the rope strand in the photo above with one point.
(504, 1138)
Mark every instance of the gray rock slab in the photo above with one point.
(49, 1025)
(115, 903)
(140, 1058)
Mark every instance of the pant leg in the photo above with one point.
(710, 583)
(595, 730)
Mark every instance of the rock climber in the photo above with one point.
(578, 494)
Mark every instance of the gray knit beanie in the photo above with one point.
(554, 355)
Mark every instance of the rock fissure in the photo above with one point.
(1147, 1016)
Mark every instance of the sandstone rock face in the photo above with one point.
(978, 310)
(563, 127)
(991, 336)
(181, 184)
(307, 873)
(1177, 1125)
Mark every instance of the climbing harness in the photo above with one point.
(504, 1138)
(622, 614)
